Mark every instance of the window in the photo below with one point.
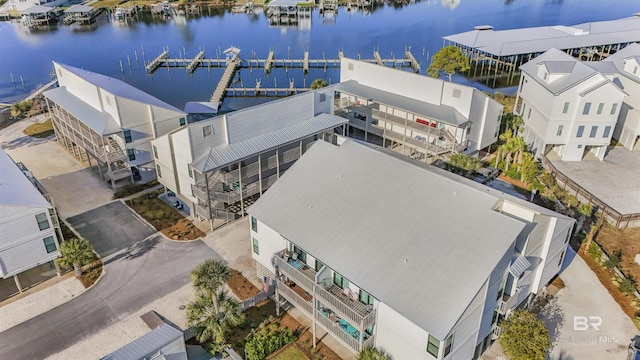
(183, 121)
(587, 107)
(559, 132)
(254, 224)
(565, 109)
(132, 154)
(323, 97)
(433, 346)
(340, 281)
(319, 265)
(501, 288)
(614, 107)
(579, 146)
(580, 131)
(457, 93)
(546, 76)
(158, 170)
(50, 244)
(155, 152)
(448, 345)
(108, 100)
(302, 256)
(256, 246)
(594, 131)
(600, 107)
(207, 131)
(350, 66)
(568, 237)
(127, 136)
(529, 114)
(190, 170)
(607, 130)
(561, 258)
(365, 298)
(43, 222)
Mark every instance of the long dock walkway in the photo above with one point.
(229, 72)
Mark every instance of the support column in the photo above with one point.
(260, 172)
(240, 184)
(58, 272)
(277, 163)
(313, 318)
(15, 278)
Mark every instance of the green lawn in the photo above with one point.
(290, 353)
(40, 130)
(154, 210)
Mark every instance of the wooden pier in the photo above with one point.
(155, 63)
(229, 72)
(264, 92)
(269, 62)
(195, 62)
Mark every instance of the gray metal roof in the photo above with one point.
(147, 345)
(443, 113)
(225, 154)
(118, 87)
(36, 9)
(101, 122)
(419, 239)
(543, 38)
(15, 188)
(630, 51)
(558, 62)
(79, 8)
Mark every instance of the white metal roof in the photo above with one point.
(519, 265)
(101, 122)
(118, 87)
(275, 3)
(201, 107)
(225, 154)
(444, 113)
(148, 344)
(557, 61)
(543, 38)
(15, 188)
(36, 9)
(419, 239)
(630, 51)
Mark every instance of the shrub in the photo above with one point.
(21, 107)
(265, 341)
(585, 209)
(628, 285)
(570, 200)
(595, 252)
(498, 95)
(524, 337)
(613, 261)
(513, 173)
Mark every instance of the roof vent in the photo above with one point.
(310, 207)
(483, 27)
(454, 193)
(406, 261)
(340, 176)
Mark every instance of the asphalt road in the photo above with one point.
(134, 277)
(111, 227)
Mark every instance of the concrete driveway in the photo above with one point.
(147, 271)
(605, 335)
(111, 227)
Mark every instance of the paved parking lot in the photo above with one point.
(111, 227)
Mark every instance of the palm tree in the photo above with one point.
(208, 277)
(370, 353)
(75, 252)
(214, 323)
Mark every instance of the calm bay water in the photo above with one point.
(421, 25)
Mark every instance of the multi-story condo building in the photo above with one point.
(28, 221)
(419, 116)
(569, 106)
(221, 165)
(381, 250)
(100, 118)
(627, 63)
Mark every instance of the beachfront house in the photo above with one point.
(419, 116)
(30, 230)
(571, 107)
(109, 123)
(220, 166)
(381, 250)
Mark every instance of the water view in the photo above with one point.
(118, 49)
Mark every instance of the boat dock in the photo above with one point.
(229, 72)
(272, 62)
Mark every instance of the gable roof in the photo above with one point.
(618, 59)
(118, 87)
(417, 238)
(559, 62)
(15, 188)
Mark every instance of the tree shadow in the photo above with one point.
(562, 356)
(141, 247)
(548, 311)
